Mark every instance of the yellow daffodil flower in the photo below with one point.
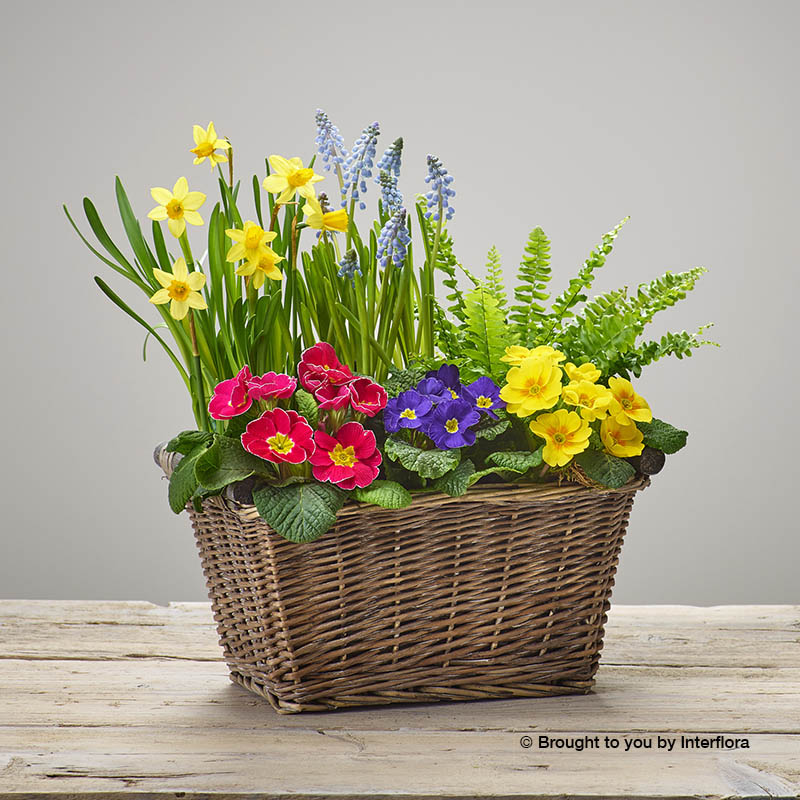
(177, 207)
(593, 400)
(516, 354)
(206, 144)
(627, 406)
(585, 372)
(288, 177)
(250, 244)
(265, 268)
(621, 440)
(565, 435)
(324, 220)
(181, 287)
(532, 386)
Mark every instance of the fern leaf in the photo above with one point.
(486, 332)
(494, 277)
(574, 293)
(528, 314)
(681, 345)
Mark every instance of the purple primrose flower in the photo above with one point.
(448, 424)
(448, 375)
(407, 410)
(484, 394)
(434, 390)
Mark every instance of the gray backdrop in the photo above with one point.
(567, 115)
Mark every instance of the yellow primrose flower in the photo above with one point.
(532, 386)
(621, 440)
(290, 176)
(324, 220)
(206, 143)
(516, 354)
(627, 406)
(585, 372)
(265, 268)
(593, 400)
(181, 287)
(250, 244)
(178, 206)
(565, 435)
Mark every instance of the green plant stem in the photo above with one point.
(197, 377)
(230, 164)
(428, 288)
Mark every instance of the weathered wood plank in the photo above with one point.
(727, 636)
(176, 694)
(131, 700)
(305, 763)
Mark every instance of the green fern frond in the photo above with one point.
(681, 345)
(664, 292)
(528, 314)
(494, 277)
(574, 293)
(486, 332)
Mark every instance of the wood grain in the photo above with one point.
(133, 700)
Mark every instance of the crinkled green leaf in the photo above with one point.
(387, 494)
(663, 436)
(186, 441)
(307, 407)
(516, 461)
(183, 483)
(604, 468)
(426, 463)
(456, 482)
(492, 429)
(300, 512)
(225, 462)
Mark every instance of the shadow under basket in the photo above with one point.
(500, 593)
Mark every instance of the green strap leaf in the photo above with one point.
(300, 512)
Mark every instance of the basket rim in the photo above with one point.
(497, 493)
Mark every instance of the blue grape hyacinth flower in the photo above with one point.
(439, 193)
(330, 144)
(359, 164)
(394, 240)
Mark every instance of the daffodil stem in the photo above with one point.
(274, 216)
(230, 165)
(197, 376)
(186, 249)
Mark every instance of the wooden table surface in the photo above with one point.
(132, 699)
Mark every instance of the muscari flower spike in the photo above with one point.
(440, 192)
(390, 196)
(358, 166)
(394, 240)
(330, 144)
(349, 265)
(390, 160)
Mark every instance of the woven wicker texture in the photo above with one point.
(500, 593)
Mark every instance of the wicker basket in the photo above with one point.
(500, 593)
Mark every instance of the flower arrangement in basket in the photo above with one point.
(324, 369)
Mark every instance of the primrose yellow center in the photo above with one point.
(559, 438)
(451, 426)
(584, 400)
(174, 209)
(408, 413)
(203, 150)
(454, 394)
(626, 403)
(178, 290)
(300, 177)
(484, 402)
(280, 443)
(343, 456)
(253, 237)
(534, 388)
